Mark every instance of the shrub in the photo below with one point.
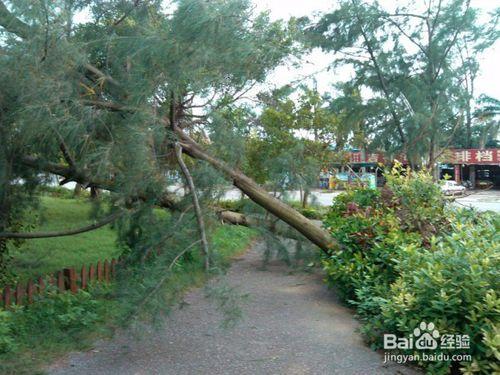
(6, 340)
(407, 258)
(55, 314)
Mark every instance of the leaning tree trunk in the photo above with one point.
(317, 235)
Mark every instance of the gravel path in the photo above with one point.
(291, 325)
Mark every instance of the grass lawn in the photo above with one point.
(41, 256)
(33, 348)
(44, 255)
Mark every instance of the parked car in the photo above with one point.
(451, 188)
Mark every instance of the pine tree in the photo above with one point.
(103, 102)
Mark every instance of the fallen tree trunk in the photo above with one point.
(292, 217)
(307, 227)
(254, 221)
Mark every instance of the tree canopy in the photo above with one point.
(418, 61)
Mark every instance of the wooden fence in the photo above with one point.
(67, 279)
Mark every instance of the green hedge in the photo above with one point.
(408, 258)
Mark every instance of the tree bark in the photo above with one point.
(317, 235)
(196, 204)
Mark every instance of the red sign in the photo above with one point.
(451, 156)
(357, 157)
(475, 156)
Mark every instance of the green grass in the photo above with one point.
(44, 255)
(37, 347)
(230, 241)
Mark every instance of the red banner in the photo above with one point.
(451, 156)
(474, 156)
(357, 157)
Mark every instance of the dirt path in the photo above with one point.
(292, 325)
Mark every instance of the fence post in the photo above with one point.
(19, 294)
(30, 290)
(60, 281)
(99, 271)
(91, 273)
(7, 296)
(66, 279)
(83, 277)
(70, 279)
(106, 271)
(41, 285)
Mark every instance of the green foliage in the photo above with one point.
(233, 205)
(7, 342)
(275, 153)
(311, 212)
(229, 241)
(407, 258)
(56, 313)
(228, 301)
(419, 65)
(54, 323)
(454, 284)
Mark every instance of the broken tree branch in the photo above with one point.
(196, 204)
(162, 281)
(166, 200)
(13, 24)
(62, 233)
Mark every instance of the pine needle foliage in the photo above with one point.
(94, 86)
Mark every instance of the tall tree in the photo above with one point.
(420, 60)
(290, 141)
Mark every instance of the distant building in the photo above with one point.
(480, 167)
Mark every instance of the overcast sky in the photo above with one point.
(487, 81)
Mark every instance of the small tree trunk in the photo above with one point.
(94, 192)
(78, 190)
(196, 204)
(305, 197)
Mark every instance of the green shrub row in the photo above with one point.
(55, 317)
(408, 258)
